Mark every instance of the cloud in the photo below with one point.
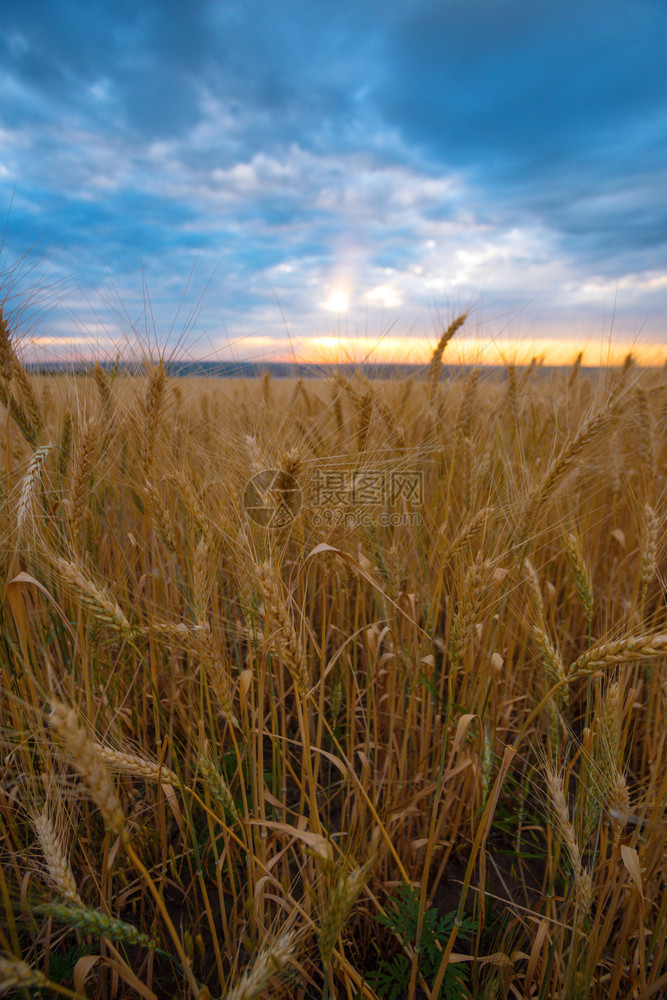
(413, 156)
(547, 108)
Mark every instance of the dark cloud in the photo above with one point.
(297, 63)
(542, 105)
(530, 83)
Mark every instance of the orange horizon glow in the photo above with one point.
(383, 350)
(466, 351)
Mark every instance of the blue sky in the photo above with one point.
(247, 178)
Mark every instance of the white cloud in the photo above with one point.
(384, 295)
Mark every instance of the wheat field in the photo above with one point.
(335, 687)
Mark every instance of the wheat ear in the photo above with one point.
(65, 445)
(364, 403)
(583, 882)
(649, 554)
(90, 921)
(55, 855)
(89, 763)
(83, 468)
(103, 386)
(27, 418)
(152, 409)
(464, 416)
(160, 515)
(138, 767)
(467, 531)
(283, 635)
(463, 626)
(28, 486)
(574, 371)
(535, 588)
(563, 462)
(17, 974)
(435, 366)
(216, 671)
(6, 350)
(337, 403)
(343, 898)
(553, 663)
(28, 398)
(632, 647)
(216, 784)
(94, 597)
(582, 577)
(644, 438)
(270, 960)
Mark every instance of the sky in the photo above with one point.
(333, 178)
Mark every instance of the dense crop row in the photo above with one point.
(334, 687)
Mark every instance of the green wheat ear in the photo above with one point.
(94, 922)
(343, 898)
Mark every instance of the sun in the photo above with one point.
(337, 301)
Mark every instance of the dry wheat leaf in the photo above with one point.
(317, 843)
(631, 862)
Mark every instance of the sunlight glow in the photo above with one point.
(337, 301)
